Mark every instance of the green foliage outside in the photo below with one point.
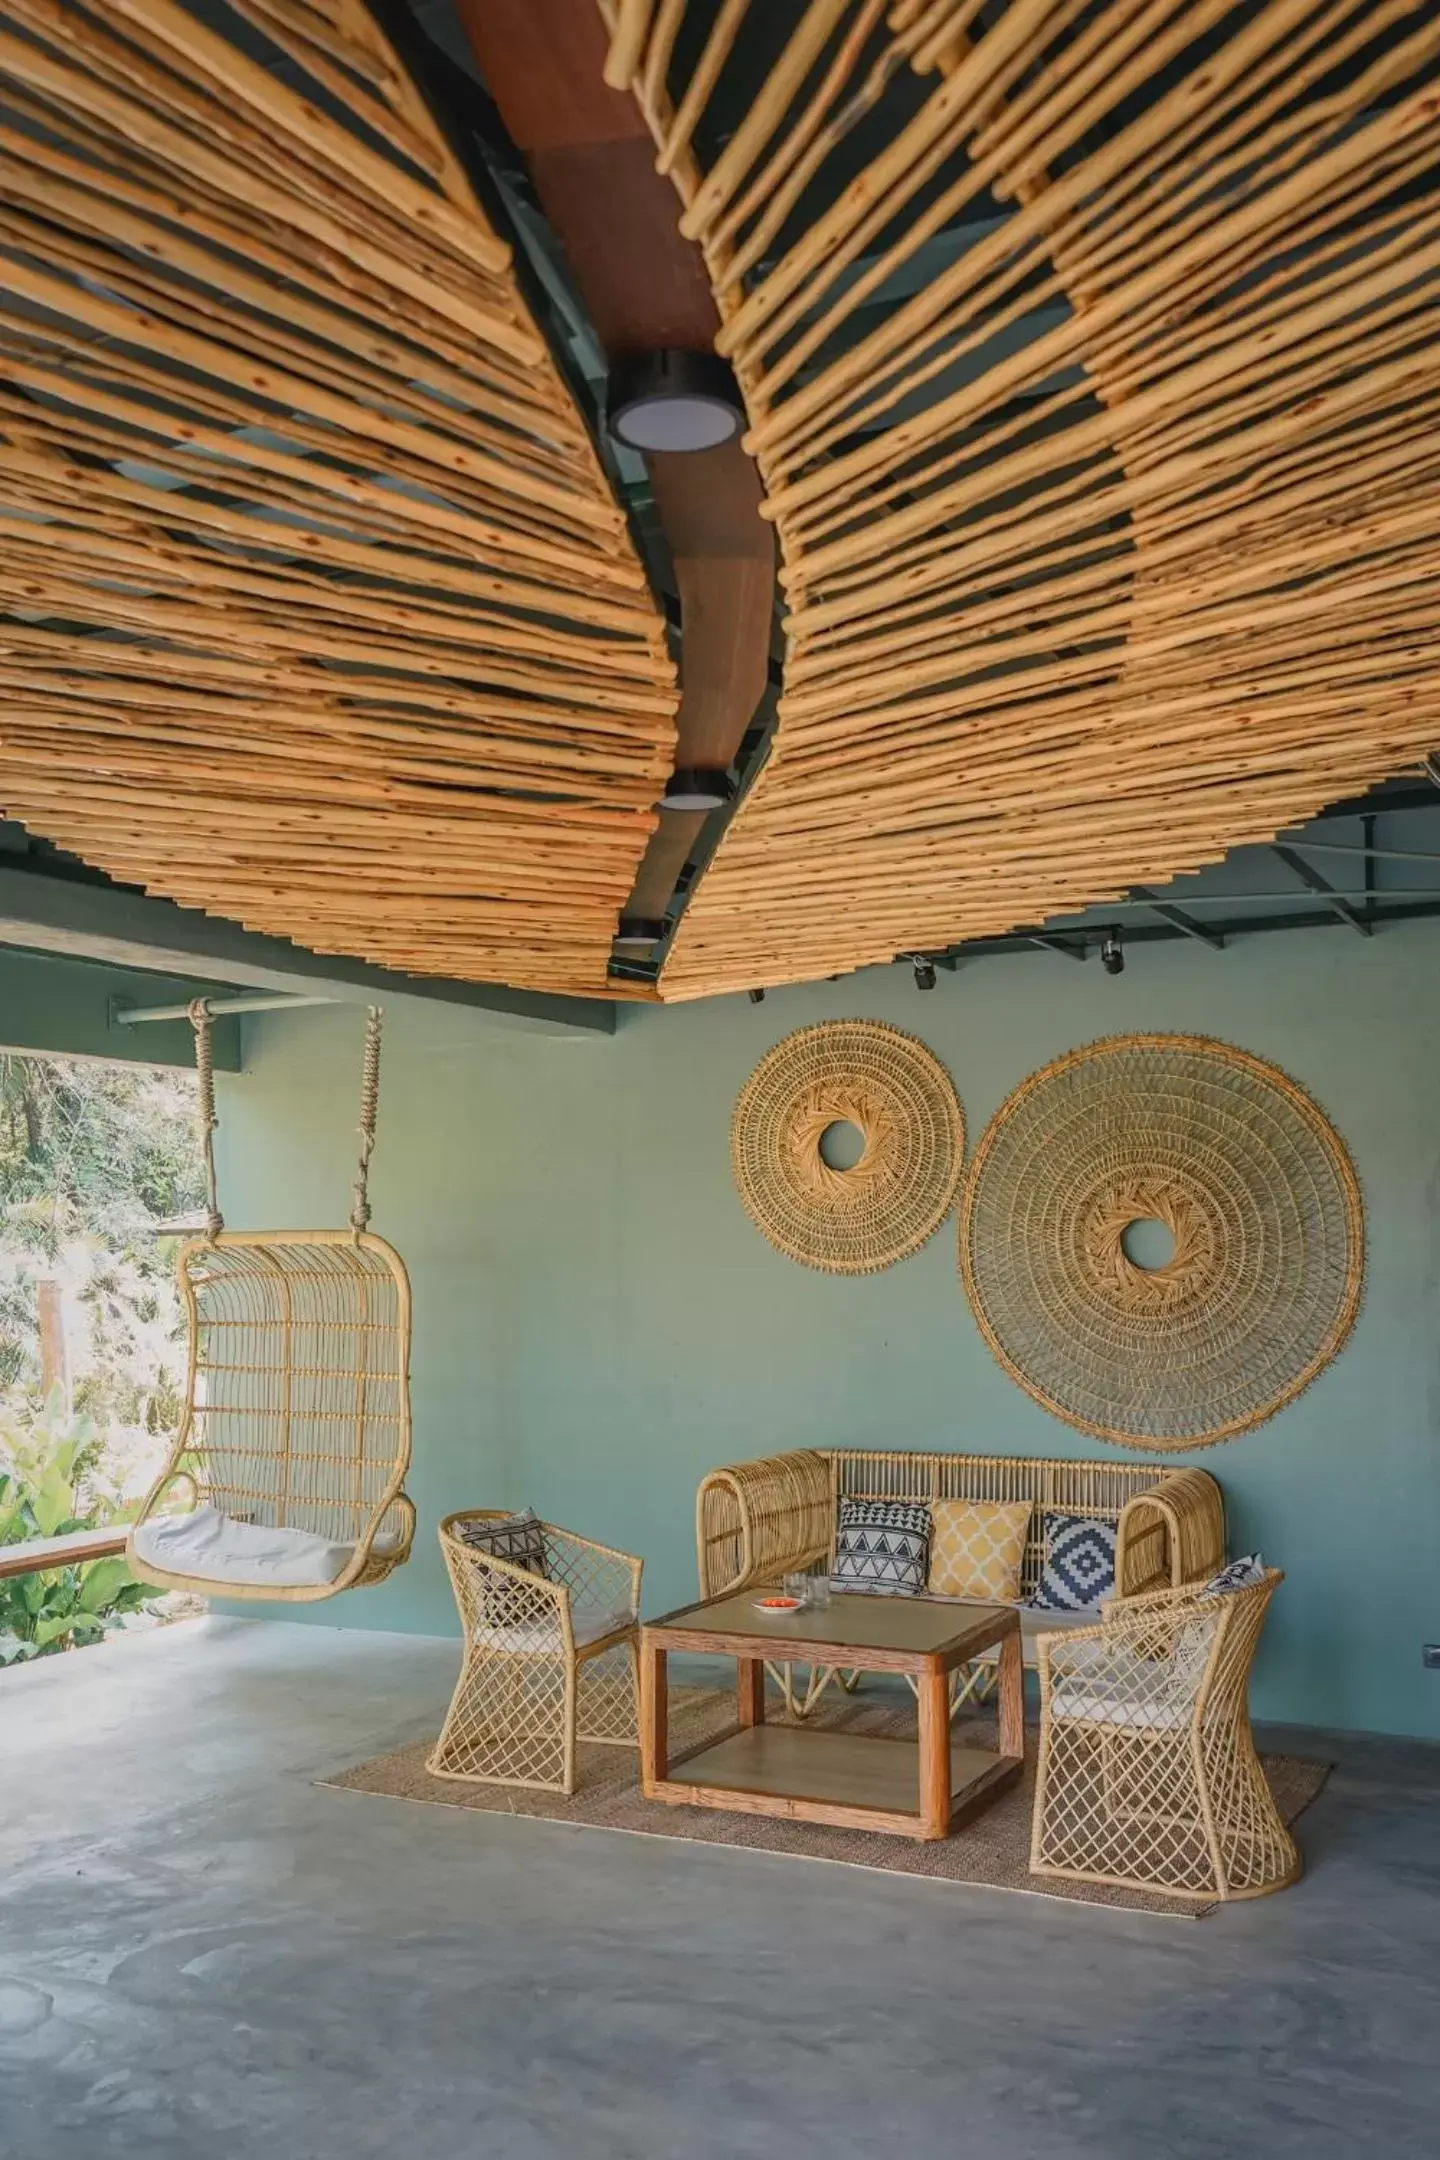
(47, 1457)
(92, 1157)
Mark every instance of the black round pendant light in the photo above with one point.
(673, 401)
(697, 787)
(637, 933)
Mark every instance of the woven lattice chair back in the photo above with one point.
(297, 1407)
(1148, 1771)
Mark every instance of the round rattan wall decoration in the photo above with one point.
(1258, 1196)
(899, 1191)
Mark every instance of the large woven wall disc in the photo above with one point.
(900, 1189)
(1252, 1184)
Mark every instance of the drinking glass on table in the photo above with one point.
(819, 1592)
(797, 1586)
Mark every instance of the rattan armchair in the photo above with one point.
(1148, 1774)
(547, 1658)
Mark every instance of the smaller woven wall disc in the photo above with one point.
(1259, 1212)
(899, 1191)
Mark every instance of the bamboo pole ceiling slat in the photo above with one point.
(316, 610)
(1092, 356)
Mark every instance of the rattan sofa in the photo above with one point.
(756, 1520)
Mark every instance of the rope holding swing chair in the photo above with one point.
(295, 1439)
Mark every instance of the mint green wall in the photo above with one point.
(597, 1323)
(64, 1006)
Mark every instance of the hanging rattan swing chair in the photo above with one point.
(295, 1439)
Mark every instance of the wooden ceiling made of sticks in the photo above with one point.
(319, 613)
(1096, 410)
(1090, 356)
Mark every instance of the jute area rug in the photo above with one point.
(994, 1848)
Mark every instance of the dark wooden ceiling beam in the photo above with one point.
(592, 164)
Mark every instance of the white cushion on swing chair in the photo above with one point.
(215, 1547)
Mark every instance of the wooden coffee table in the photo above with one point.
(908, 1788)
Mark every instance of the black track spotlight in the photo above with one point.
(697, 787)
(1112, 955)
(757, 997)
(637, 933)
(924, 971)
(673, 401)
(1432, 767)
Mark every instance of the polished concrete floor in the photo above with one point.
(203, 1956)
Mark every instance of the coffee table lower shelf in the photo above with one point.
(850, 1781)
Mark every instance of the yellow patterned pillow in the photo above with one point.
(976, 1548)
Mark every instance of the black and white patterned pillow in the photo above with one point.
(520, 1539)
(1242, 1574)
(1079, 1564)
(882, 1547)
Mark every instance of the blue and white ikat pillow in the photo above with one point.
(1079, 1566)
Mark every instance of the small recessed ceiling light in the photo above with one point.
(673, 401)
(637, 933)
(697, 787)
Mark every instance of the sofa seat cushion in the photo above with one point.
(1033, 1624)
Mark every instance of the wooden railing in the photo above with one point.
(36, 1553)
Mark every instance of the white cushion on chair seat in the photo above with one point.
(1141, 1702)
(215, 1547)
(587, 1625)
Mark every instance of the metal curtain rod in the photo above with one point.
(1335, 847)
(1239, 899)
(135, 1015)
